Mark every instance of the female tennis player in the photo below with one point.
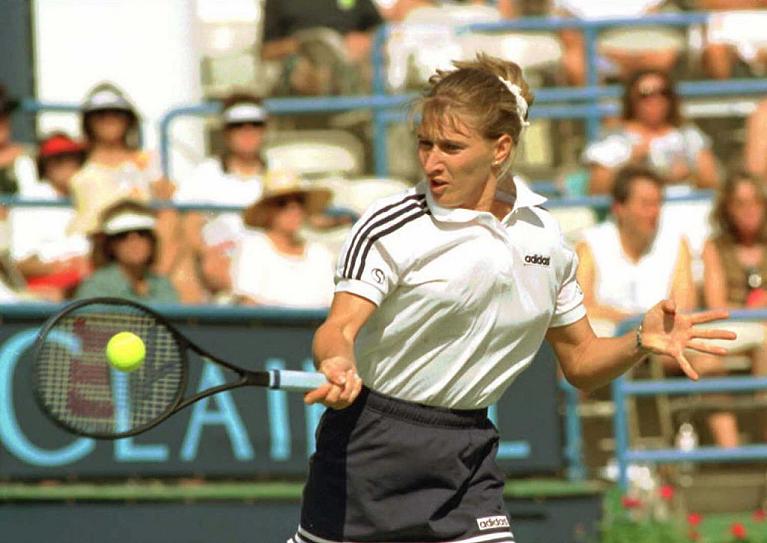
(443, 296)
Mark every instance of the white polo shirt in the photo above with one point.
(464, 300)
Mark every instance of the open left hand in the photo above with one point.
(666, 331)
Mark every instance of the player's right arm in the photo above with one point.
(334, 350)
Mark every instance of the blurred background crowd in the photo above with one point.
(201, 152)
(256, 204)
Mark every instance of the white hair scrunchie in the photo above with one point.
(520, 100)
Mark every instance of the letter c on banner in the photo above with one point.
(10, 432)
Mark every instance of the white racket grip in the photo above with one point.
(295, 381)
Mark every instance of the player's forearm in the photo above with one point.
(332, 341)
(601, 360)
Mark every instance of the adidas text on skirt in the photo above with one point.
(391, 471)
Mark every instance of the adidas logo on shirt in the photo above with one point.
(487, 523)
(537, 259)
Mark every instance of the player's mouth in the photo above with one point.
(437, 186)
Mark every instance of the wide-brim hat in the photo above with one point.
(279, 185)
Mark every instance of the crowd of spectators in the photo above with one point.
(111, 242)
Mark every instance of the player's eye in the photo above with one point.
(450, 147)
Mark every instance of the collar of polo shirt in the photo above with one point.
(525, 198)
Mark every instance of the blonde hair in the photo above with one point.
(477, 93)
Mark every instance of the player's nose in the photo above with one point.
(432, 163)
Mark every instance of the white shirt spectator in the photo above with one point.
(42, 231)
(632, 287)
(97, 186)
(269, 277)
(682, 144)
(209, 184)
(25, 170)
(601, 9)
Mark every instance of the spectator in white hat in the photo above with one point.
(116, 168)
(232, 178)
(276, 266)
(125, 250)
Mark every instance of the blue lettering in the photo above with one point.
(10, 432)
(226, 415)
(125, 449)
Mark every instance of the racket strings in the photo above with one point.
(80, 389)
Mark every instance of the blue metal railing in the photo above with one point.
(622, 388)
(585, 103)
(387, 109)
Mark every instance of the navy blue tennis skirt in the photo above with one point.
(387, 471)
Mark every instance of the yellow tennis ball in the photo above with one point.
(125, 351)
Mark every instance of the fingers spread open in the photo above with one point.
(708, 316)
(687, 368)
(713, 333)
(704, 347)
(668, 306)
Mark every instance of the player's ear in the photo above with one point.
(504, 146)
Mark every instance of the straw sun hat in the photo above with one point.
(278, 185)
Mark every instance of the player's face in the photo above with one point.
(133, 249)
(456, 160)
(746, 209)
(245, 139)
(652, 100)
(639, 214)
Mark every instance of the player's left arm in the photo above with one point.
(589, 362)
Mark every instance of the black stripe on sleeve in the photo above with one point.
(378, 235)
(369, 225)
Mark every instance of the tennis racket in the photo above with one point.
(80, 391)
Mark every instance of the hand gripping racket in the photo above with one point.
(80, 390)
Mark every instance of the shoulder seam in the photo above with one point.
(381, 223)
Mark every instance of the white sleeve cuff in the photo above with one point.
(568, 317)
(360, 288)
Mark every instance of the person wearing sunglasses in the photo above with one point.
(274, 265)
(652, 133)
(231, 178)
(124, 252)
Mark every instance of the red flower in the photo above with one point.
(693, 519)
(667, 492)
(630, 503)
(738, 531)
(759, 515)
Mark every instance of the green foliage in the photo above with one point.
(657, 518)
